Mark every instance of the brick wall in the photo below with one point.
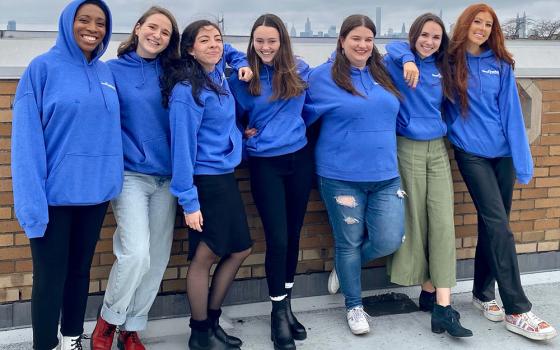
(535, 218)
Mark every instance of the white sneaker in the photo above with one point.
(490, 309)
(333, 285)
(71, 343)
(529, 325)
(357, 320)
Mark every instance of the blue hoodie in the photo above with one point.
(420, 111)
(493, 125)
(205, 139)
(66, 138)
(144, 120)
(357, 140)
(281, 129)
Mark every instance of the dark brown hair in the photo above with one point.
(442, 61)
(171, 52)
(458, 48)
(286, 82)
(341, 67)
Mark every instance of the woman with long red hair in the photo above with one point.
(485, 126)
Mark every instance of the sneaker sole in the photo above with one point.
(489, 316)
(530, 335)
(359, 331)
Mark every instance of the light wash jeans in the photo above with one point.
(145, 215)
(367, 220)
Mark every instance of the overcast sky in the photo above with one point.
(239, 15)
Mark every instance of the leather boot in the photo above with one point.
(214, 317)
(426, 301)
(280, 331)
(203, 337)
(297, 329)
(447, 319)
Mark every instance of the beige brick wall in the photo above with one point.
(535, 216)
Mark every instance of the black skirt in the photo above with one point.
(225, 228)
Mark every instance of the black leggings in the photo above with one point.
(280, 187)
(61, 263)
(490, 182)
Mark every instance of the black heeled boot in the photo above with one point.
(447, 319)
(297, 329)
(214, 317)
(426, 301)
(280, 332)
(203, 337)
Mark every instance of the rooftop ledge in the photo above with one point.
(534, 58)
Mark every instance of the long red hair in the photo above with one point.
(459, 43)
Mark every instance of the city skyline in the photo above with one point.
(238, 19)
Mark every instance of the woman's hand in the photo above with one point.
(250, 132)
(194, 220)
(245, 74)
(411, 74)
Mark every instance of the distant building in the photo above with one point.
(308, 31)
(11, 25)
(293, 31)
(403, 30)
(378, 19)
(332, 32)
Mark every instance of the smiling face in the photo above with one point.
(153, 35)
(357, 46)
(429, 40)
(266, 42)
(208, 47)
(479, 31)
(89, 28)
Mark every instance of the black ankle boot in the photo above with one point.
(280, 332)
(203, 338)
(426, 301)
(214, 317)
(297, 329)
(447, 319)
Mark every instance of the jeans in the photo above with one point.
(61, 265)
(490, 182)
(280, 187)
(367, 220)
(145, 214)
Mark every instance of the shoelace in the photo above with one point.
(534, 319)
(490, 304)
(77, 343)
(358, 313)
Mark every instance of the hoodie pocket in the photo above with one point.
(83, 179)
(281, 131)
(157, 153)
(368, 151)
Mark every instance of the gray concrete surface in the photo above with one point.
(327, 328)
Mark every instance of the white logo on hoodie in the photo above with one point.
(491, 71)
(108, 85)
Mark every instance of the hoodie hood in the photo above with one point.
(132, 59)
(66, 43)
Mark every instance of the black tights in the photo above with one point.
(198, 276)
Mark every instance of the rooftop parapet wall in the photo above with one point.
(535, 216)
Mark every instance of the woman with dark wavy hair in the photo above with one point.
(427, 256)
(205, 149)
(486, 129)
(280, 161)
(356, 158)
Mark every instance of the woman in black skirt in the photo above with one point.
(205, 149)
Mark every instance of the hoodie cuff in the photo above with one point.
(408, 58)
(191, 207)
(524, 178)
(35, 231)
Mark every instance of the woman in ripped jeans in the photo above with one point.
(356, 157)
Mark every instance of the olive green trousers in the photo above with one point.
(428, 250)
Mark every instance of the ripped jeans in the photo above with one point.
(367, 220)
